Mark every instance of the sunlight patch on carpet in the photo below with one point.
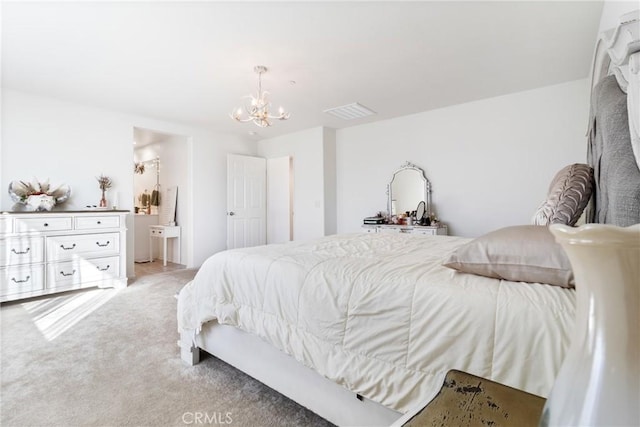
(54, 316)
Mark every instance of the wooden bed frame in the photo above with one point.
(617, 52)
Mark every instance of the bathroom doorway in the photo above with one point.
(160, 162)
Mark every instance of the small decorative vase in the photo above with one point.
(599, 381)
(103, 200)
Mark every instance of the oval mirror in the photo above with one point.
(420, 211)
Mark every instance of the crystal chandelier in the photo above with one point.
(257, 111)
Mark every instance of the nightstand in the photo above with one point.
(466, 400)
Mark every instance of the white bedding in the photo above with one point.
(378, 314)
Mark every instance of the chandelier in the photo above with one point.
(257, 110)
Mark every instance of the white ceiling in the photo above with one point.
(193, 62)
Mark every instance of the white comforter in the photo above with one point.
(378, 314)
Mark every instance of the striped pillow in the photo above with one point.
(568, 195)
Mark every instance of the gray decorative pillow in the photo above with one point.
(524, 253)
(568, 195)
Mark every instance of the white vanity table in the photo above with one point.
(426, 230)
(408, 191)
(167, 229)
(163, 232)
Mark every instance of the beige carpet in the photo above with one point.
(103, 357)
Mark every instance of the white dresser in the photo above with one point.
(47, 252)
(438, 230)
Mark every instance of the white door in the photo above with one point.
(279, 200)
(246, 201)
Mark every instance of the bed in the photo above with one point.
(361, 328)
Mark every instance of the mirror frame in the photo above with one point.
(427, 186)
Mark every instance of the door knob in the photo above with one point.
(232, 213)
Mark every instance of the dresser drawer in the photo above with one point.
(425, 231)
(78, 271)
(392, 230)
(82, 245)
(164, 231)
(21, 250)
(20, 279)
(54, 223)
(6, 225)
(97, 222)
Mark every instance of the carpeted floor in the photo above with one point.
(105, 357)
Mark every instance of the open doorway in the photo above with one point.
(160, 162)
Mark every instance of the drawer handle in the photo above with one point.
(68, 274)
(21, 281)
(20, 252)
(46, 224)
(102, 246)
(104, 269)
(69, 248)
(99, 222)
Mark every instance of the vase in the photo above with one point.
(599, 380)
(103, 200)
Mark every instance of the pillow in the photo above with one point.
(524, 253)
(568, 195)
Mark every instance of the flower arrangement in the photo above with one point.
(38, 196)
(104, 182)
(138, 167)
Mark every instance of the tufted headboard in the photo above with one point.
(614, 125)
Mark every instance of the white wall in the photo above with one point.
(490, 162)
(306, 151)
(279, 202)
(65, 143)
(71, 143)
(330, 183)
(174, 165)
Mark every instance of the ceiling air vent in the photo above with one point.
(350, 112)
